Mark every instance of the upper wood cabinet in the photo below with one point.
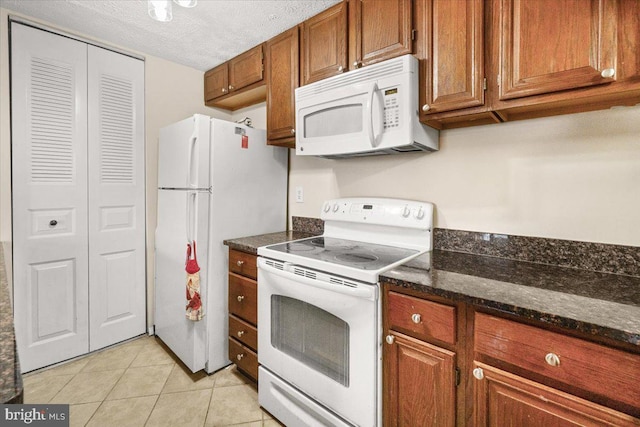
(282, 75)
(353, 34)
(550, 45)
(556, 57)
(238, 82)
(502, 60)
(450, 47)
(324, 44)
(379, 30)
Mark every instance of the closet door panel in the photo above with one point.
(49, 190)
(116, 197)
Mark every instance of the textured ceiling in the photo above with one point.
(202, 37)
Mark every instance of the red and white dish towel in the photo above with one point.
(195, 311)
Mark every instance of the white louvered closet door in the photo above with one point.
(49, 179)
(116, 197)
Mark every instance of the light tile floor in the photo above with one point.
(141, 383)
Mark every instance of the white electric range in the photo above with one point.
(320, 337)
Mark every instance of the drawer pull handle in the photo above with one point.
(53, 223)
(239, 263)
(390, 339)
(552, 359)
(240, 334)
(607, 73)
(416, 318)
(478, 373)
(240, 356)
(240, 298)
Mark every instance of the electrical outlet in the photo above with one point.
(299, 195)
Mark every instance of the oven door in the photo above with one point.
(320, 336)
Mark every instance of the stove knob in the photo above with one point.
(327, 207)
(420, 213)
(336, 207)
(406, 212)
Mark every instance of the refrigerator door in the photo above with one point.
(182, 217)
(249, 197)
(183, 154)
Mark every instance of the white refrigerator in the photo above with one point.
(216, 180)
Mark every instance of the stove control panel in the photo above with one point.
(380, 211)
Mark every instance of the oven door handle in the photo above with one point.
(364, 291)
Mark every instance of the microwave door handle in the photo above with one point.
(373, 139)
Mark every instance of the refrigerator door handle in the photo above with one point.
(191, 213)
(192, 169)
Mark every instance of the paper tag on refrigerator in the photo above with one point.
(245, 141)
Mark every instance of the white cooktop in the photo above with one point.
(363, 237)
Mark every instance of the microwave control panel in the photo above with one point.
(391, 108)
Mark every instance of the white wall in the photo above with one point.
(569, 177)
(172, 92)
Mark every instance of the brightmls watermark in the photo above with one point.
(34, 415)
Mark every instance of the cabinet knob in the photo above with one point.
(239, 263)
(552, 359)
(293, 131)
(231, 87)
(478, 373)
(357, 64)
(425, 108)
(240, 298)
(607, 73)
(340, 69)
(240, 356)
(53, 223)
(240, 334)
(390, 339)
(224, 90)
(416, 318)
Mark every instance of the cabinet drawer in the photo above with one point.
(592, 367)
(243, 298)
(244, 332)
(245, 359)
(243, 263)
(422, 319)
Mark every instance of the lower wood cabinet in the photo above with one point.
(420, 383)
(453, 364)
(504, 399)
(243, 312)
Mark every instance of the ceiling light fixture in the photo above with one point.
(160, 10)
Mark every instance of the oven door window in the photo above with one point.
(312, 336)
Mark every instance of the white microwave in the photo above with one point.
(368, 111)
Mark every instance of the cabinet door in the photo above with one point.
(49, 187)
(282, 80)
(504, 399)
(419, 384)
(450, 45)
(216, 82)
(246, 69)
(378, 30)
(554, 45)
(324, 44)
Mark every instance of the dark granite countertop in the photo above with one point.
(601, 304)
(10, 377)
(596, 303)
(252, 243)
